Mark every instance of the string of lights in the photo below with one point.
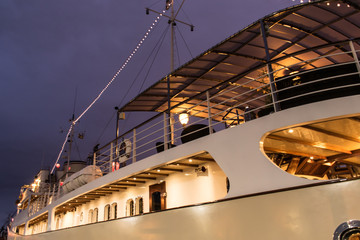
(73, 123)
(327, 3)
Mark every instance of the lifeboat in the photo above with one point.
(81, 177)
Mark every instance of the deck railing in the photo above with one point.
(164, 131)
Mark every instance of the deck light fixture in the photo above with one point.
(184, 118)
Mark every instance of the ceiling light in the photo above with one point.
(184, 118)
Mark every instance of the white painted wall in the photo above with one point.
(183, 188)
(187, 188)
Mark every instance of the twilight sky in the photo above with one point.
(54, 50)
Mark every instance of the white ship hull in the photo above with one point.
(276, 207)
(302, 213)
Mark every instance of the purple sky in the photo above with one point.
(50, 48)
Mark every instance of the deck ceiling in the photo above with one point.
(323, 143)
(155, 174)
(293, 35)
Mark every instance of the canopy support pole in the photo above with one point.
(209, 112)
(134, 145)
(269, 68)
(355, 55)
(165, 132)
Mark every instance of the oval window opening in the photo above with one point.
(327, 149)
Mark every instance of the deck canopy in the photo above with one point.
(292, 39)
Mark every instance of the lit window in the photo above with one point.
(139, 206)
(107, 212)
(95, 215)
(130, 207)
(91, 216)
(114, 211)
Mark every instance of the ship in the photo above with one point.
(258, 137)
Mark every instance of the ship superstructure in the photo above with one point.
(261, 139)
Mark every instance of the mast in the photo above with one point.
(70, 146)
(172, 22)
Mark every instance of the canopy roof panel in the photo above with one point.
(293, 36)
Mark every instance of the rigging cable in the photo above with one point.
(74, 122)
(187, 46)
(183, 11)
(150, 67)
(157, 46)
(176, 46)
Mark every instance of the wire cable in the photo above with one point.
(176, 46)
(109, 83)
(187, 46)
(157, 46)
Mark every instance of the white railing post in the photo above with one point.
(209, 112)
(42, 200)
(355, 56)
(58, 191)
(48, 197)
(172, 133)
(53, 193)
(111, 154)
(134, 145)
(165, 132)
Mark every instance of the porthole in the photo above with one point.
(349, 230)
(352, 234)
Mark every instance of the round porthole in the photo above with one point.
(349, 230)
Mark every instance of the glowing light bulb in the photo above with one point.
(184, 118)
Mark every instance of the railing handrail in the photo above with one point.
(221, 111)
